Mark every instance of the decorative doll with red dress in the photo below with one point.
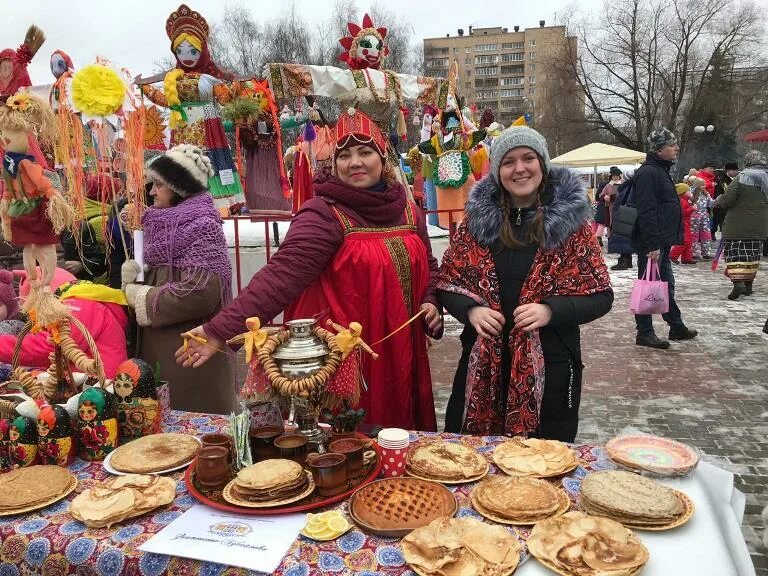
(33, 212)
(23, 442)
(55, 441)
(97, 424)
(137, 405)
(5, 444)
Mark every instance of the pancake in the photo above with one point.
(154, 453)
(511, 497)
(24, 487)
(269, 474)
(445, 461)
(630, 496)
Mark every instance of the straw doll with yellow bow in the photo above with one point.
(33, 212)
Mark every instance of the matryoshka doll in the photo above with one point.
(5, 444)
(55, 442)
(137, 406)
(97, 424)
(23, 437)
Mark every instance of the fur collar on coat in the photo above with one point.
(564, 201)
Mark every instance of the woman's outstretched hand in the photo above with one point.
(198, 348)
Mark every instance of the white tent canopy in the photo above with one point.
(598, 154)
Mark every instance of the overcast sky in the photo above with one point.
(132, 32)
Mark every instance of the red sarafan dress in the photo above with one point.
(378, 278)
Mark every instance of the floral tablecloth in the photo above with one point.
(52, 543)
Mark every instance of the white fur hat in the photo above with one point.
(185, 169)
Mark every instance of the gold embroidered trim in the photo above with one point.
(399, 254)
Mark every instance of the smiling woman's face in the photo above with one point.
(521, 175)
(359, 166)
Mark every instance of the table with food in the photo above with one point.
(111, 481)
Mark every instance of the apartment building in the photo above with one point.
(505, 70)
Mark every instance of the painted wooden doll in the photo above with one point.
(137, 405)
(55, 437)
(97, 424)
(23, 442)
(5, 444)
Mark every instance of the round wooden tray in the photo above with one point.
(310, 503)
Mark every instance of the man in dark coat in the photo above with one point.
(659, 227)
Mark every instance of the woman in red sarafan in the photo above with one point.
(523, 271)
(356, 252)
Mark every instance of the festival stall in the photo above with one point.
(274, 490)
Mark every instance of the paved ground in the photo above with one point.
(710, 392)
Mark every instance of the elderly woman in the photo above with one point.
(522, 273)
(357, 251)
(746, 223)
(187, 280)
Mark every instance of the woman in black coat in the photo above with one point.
(523, 272)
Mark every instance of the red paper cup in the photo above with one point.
(394, 462)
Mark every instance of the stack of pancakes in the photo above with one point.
(534, 457)
(511, 500)
(123, 497)
(579, 544)
(631, 499)
(270, 482)
(445, 462)
(155, 453)
(461, 547)
(33, 487)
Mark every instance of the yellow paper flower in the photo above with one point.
(97, 91)
(18, 102)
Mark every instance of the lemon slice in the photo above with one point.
(338, 525)
(325, 534)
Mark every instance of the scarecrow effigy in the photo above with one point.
(380, 94)
(14, 76)
(189, 91)
(452, 139)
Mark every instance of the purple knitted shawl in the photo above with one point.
(188, 237)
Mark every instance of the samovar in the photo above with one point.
(302, 355)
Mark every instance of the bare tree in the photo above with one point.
(646, 63)
(237, 42)
(404, 55)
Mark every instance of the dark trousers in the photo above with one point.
(673, 317)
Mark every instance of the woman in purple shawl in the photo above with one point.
(188, 278)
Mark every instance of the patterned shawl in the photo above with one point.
(572, 266)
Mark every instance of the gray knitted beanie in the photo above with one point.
(660, 138)
(515, 137)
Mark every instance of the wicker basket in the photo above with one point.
(60, 386)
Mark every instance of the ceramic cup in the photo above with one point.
(262, 442)
(353, 449)
(222, 440)
(329, 472)
(212, 470)
(293, 447)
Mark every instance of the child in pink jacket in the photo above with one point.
(105, 318)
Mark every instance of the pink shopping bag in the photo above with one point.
(649, 294)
